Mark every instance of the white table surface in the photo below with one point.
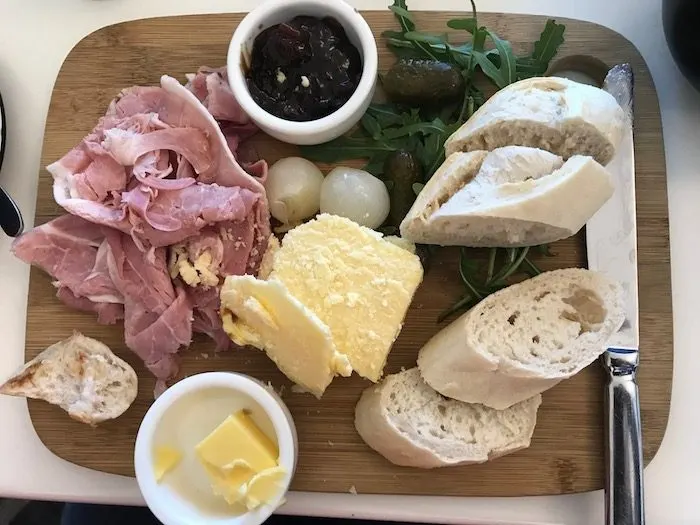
(35, 37)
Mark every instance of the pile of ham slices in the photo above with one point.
(159, 211)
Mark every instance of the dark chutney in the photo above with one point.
(304, 69)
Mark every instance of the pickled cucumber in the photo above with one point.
(419, 82)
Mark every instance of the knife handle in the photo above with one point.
(624, 490)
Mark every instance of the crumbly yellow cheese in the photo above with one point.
(263, 314)
(165, 458)
(241, 462)
(273, 246)
(194, 273)
(356, 282)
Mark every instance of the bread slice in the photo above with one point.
(524, 339)
(511, 196)
(411, 425)
(82, 376)
(556, 114)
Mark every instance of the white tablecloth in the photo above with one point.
(35, 37)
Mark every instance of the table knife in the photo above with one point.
(611, 238)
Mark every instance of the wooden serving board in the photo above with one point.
(567, 448)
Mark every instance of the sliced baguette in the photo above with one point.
(556, 114)
(411, 425)
(511, 196)
(82, 376)
(524, 339)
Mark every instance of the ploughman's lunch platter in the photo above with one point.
(311, 248)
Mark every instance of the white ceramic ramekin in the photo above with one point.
(169, 505)
(274, 12)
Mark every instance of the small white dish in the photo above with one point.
(186, 413)
(278, 11)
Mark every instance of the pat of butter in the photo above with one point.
(241, 462)
(265, 315)
(263, 487)
(165, 458)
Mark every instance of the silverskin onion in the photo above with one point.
(293, 189)
(356, 195)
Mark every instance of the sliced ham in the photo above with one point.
(157, 171)
(211, 87)
(155, 338)
(107, 313)
(179, 107)
(101, 270)
(206, 304)
(168, 119)
(75, 253)
(142, 277)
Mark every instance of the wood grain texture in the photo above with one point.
(567, 449)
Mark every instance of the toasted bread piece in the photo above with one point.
(82, 376)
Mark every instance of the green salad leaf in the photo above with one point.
(548, 44)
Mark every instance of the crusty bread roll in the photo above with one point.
(411, 425)
(555, 114)
(82, 376)
(524, 339)
(511, 196)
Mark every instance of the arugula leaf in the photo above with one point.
(375, 165)
(467, 24)
(344, 148)
(479, 39)
(426, 128)
(507, 67)
(527, 67)
(432, 152)
(385, 114)
(405, 19)
(400, 9)
(551, 38)
(426, 38)
(489, 69)
(371, 126)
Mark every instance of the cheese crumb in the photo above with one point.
(193, 273)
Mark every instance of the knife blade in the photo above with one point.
(611, 239)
